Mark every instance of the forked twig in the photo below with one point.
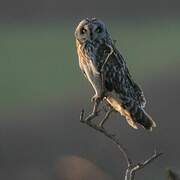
(132, 168)
(130, 171)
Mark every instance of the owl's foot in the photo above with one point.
(91, 117)
(94, 113)
(101, 124)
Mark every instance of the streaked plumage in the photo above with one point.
(106, 70)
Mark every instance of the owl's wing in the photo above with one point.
(118, 78)
(128, 99)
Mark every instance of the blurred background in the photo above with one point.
(42, 90)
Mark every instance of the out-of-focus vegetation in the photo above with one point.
(39, 61)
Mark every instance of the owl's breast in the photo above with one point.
(90, 69)
(91, 72)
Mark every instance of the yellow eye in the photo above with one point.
(98, 29)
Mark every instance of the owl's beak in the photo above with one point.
(91, 36)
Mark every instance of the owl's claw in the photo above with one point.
(94, 113)
(100, 127)
(101, 124)
(91, 116)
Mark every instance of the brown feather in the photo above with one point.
(117, 105)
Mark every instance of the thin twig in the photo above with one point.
(107, 58)
(105, 62)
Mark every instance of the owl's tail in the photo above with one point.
(132, 114)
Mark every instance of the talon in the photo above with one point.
(91, 116)
(101, 126)
(87, 120)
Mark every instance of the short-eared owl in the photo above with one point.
(106, 70)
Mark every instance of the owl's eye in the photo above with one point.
(83, 30)
(99, 29)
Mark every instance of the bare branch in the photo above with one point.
(130, 172)
(112, 137)
(131, 167)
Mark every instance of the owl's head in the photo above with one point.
(91, 30)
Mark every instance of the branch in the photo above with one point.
(131, 167)
(130, 172)
(112, 137)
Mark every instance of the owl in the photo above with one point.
(105, 68)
